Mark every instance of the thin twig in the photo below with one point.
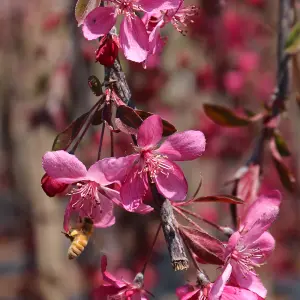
(279, 96)
(151, 250)
(101, 141)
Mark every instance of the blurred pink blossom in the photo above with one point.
(113, 288)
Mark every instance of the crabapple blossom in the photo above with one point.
(251, 245)
(219, 290)
(113, 288)
(155, 162)
(90, 195)
(133, 35)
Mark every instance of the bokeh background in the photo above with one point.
(227, 57)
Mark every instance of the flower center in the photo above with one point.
(182, 17)
(88, 193)
(244, 257)
(153, 164)
(126, 7)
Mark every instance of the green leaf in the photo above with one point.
(95, 85)
(168, 128)
(292, 45)
(83, 8)
(224, 116)
(64, 139)
(281, 145)
(286, 177)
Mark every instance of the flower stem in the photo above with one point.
(151, 250)
(101, 141)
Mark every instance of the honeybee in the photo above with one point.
(79, 237)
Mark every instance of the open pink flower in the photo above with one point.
(219, 290)
(90, 196)
(156, 162)
(133, 34)
(251, 245)
(113, 288)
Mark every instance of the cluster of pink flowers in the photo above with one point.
(125, 181)
(248, 247)
(92, 193)
(139, 38)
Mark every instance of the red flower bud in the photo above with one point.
(51, 186)
(107, 51)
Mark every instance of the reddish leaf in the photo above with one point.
(97, 117)
(207, 248)
(224, 116)
(168, 128)
(220, 198)
(286, 177)
(64, 139)
(281, 144)
(129, 117)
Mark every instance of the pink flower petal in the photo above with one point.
(219, 285)
(194, 295)
(103, 214)
(67, 216)
(133, 190)
(186, 145)
(259, 217)
(98, 22)
(150, 132)
(109, 170)
(109, 278)
(64, 167)
(134, 39)
(248, 281)
(235, 293)
(233, 241)
(174, 185)
(158, 5)
(183, 290)
(266, 244)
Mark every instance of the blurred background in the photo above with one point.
(227, 57)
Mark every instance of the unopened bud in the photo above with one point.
(107, 51)
(51, 186)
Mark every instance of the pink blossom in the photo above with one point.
(219, 290)
(119, 289)
(180, 17)
(156, 162)
(153, 23)
(90, 195)
(251, 245)
(133, 35)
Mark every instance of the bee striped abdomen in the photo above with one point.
(77, 246)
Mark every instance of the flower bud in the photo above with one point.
(51, 186)
(107, 51)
